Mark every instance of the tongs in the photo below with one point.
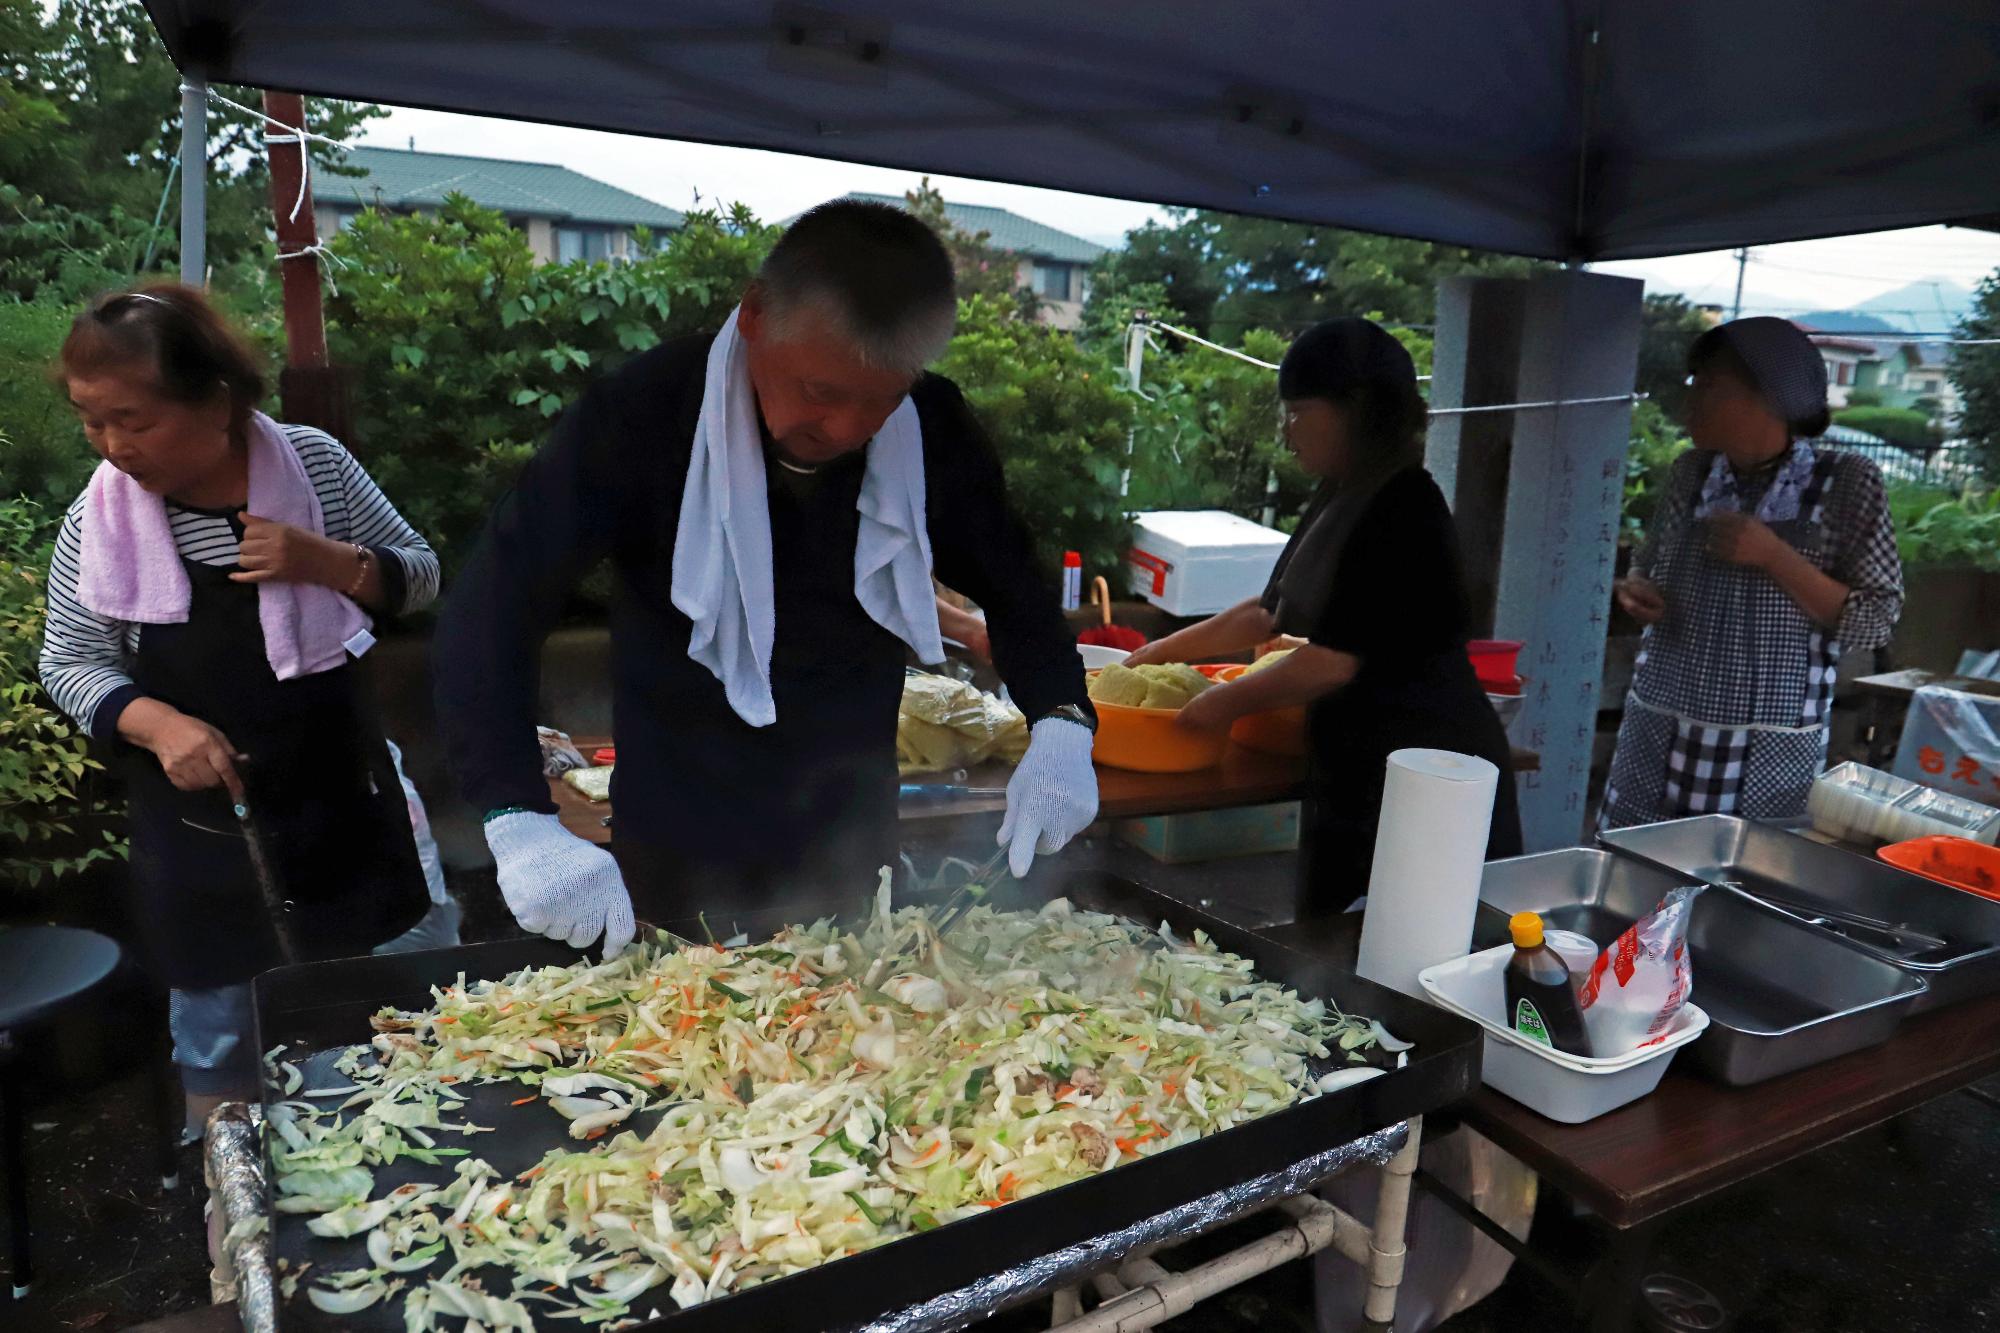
(1900, 935)
(961, 900)
(277, 907)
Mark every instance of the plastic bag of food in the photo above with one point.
(559, 752)
(1638, 984)
(945, 724)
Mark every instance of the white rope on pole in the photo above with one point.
(1543, 405)
(301, 136)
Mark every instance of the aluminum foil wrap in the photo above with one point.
(956, 1309)
(236, 1173)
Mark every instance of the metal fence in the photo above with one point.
(1951, 466)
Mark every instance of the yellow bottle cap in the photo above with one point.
(1526, 928)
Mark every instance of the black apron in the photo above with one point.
(1434, 703)
(715, 814)
(319, 781)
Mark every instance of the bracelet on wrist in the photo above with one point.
(363, 559)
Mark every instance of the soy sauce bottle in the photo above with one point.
(1541, 1003)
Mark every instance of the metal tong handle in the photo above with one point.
(1817, 914)
(276, 906)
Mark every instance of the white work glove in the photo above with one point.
(557, 884)
(1052, 796)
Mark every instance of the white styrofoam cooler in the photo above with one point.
(1199, 561)
(1565, 1088)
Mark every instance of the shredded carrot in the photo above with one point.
(446, 1018)
(1065, 1090)
(449, 1078)
(650, 1078)
(595, 1133)
(687, 1021)
(530, 1173)
(652, 1175)
(1007, 1185)
(929, 1152)
(1170, 1087)
(520, 1101)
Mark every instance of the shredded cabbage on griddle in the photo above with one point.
(741, 1113)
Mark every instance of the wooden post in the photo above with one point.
(311, 392)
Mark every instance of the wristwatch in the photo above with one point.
(1073, 713)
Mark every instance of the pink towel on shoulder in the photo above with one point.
(130, 570)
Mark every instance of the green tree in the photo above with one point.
(1976, 372)
(464, 349)
(89, 129)
(1058, 420)
(982, 269)
(1668, 326)
(1230, 273)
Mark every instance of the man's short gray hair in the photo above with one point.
(878, 275)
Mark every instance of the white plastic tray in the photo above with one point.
(1563, 1087)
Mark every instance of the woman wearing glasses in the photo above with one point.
(207, 593)
(1372, 582)
(1767, 559)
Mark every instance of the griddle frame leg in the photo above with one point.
(13, 1125)
(1385, 1246)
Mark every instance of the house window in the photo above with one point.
(1846, 373)
(574, 243)
(1052, 282)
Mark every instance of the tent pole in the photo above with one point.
(194, 181)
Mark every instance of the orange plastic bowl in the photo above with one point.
(1959, 862)
(1279, 731)
(1149, 740)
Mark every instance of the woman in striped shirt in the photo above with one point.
(207, 593)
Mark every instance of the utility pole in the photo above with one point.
(1742, 262)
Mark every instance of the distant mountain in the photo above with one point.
(1849, 321)
(1928, 305)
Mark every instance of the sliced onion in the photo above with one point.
(352, 1301)
(1386, 1040)
(1347, 1078)
(572, 1107)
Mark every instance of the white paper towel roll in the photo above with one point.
(1423, 891)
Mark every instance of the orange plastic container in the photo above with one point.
(1149, 740)
(1959, 862)
(1279, 731)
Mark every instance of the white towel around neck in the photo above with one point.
(722, 549)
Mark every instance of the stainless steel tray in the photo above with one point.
(1780, 995)
(1949, 938)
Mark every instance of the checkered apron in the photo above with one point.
(1733, 690)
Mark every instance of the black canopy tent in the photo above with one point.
(1579, 131)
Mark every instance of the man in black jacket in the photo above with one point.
(819, 475)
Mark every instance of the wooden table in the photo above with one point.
(1693, 1137)
(1244, 777)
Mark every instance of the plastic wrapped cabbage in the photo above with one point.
(1168, 686)
(946, 724)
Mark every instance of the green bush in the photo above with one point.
(1937, 527)
(43, 759)
(44, 456)
(1656, 443)
(1898, 425)
(1058, 420)
(1863, 398)
(463, 349)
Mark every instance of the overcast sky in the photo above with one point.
(1780, 278)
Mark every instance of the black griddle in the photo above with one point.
(318, 1009)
